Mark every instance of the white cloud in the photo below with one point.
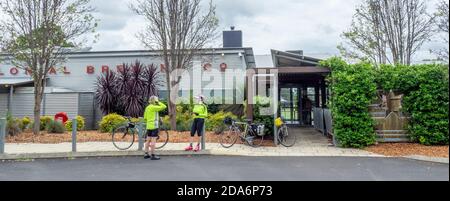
(314, 26)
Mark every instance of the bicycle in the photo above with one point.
(253, 134)
(124, 136)
(283, 135)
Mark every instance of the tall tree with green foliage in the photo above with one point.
(387, 31)
(37, 33)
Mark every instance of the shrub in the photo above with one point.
(215, 121)
(80, 124)
(353, 90)
(111, 121)
(127, 91)
(44, 120)
(428, 106)
(25, 123)
(260, 116)
(55, 127)
(236, 109)
(12, 125)
(426, 98)
(166, 122)
(184, 121)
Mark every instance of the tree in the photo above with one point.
(180, 29)
(442, 25)
(388, 31)
(37, 33)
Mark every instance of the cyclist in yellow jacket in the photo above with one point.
(200, 112)
(151, 118)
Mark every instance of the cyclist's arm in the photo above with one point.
(157, 108)
(146, 114)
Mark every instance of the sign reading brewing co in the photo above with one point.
(89, 70)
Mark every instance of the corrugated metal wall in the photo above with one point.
(86, 109)
(61, 102)
(98, 115)
(72, 103)
(23, 105)
(3, 104)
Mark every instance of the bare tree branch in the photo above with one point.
(180, 29)
(388, 31)
(442, 27)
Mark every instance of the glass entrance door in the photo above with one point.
(289, 105)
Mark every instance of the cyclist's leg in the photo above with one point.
(200, 124)
(191, 138)
(194, 130)
(147, 142)
(152, 145)
(152, 140)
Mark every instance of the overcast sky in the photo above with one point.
(314, 26)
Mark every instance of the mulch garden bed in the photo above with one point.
(408, 149)
(94, 136)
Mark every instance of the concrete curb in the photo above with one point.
(71, 155)
(428, 159)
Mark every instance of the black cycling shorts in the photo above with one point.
(197, 127)
(152, 133)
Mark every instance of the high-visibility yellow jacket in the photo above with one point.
(200, 111)
(151, 115)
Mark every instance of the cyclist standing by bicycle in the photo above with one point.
(151, 117)
(200, 112)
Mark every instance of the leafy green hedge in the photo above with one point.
(267, 120)
(426, 99)
(353, 90)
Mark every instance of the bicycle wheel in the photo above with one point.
(254, 140)
(162, 139)
(284, 138)
(229, 137)
(123, 137)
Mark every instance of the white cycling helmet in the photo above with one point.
(153, 99)
(201, 98)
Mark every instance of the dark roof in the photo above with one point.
(293, 59)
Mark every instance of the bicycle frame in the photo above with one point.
(246, 129)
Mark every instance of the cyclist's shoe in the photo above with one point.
(155, 158)
(147, 156)
(189, 148)
(197, 148)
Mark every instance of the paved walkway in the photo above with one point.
(309, 143)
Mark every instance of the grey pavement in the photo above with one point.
(309, 143)
(217, 168)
